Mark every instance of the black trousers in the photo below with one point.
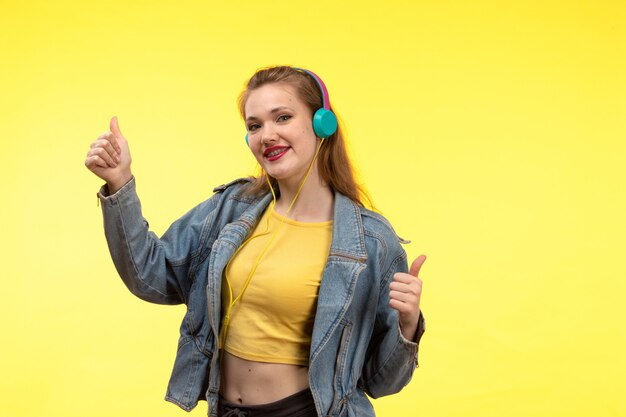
(300, 404)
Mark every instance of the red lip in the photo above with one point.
(275, 148)
(272, 149)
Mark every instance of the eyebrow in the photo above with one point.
(274, 110)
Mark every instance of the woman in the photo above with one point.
(298, 298)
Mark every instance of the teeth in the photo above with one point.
(276, 152)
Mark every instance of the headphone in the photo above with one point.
(324, 120)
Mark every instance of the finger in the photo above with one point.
(417, 265)
(107, 145)
(401, 307)
(110, 144)
(103, 154)
(414, 286)
(95, 161)
(414, 289)
(113, 148)
(108, 141)
(405, 297)
(114, 127)
(404, 278)
(101, 137)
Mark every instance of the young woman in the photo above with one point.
(299, 302)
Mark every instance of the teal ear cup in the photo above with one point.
(324, 123)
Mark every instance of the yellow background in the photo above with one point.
(490, 133)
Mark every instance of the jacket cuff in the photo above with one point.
(105, 198)
(414, 344)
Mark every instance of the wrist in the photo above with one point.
(117, 183)
(408, 329)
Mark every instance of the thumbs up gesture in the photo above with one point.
(405, 292)
(109, 157)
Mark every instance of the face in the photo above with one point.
(280, 132)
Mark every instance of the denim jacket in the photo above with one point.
(356, 347)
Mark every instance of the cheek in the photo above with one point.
(308, 130)
(255, 147)
(254, 142)
(256, 152)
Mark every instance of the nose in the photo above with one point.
(268, 135)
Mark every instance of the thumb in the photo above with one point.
(114, 128)
(417, 264)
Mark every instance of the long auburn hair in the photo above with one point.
(333, 163)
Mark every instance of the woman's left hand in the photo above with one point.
(404, 296)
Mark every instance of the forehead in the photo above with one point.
(270, 96)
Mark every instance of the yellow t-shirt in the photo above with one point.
(273, 320)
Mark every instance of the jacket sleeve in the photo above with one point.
(391, 358)
(158, 270)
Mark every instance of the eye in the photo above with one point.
(253, 127)
(284, 117)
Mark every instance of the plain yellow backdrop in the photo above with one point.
(491, 134)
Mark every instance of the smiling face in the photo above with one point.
(280, 132)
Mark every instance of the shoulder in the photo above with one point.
(384, 246)
(376, 224)
(237, 189)
(234, 184)
(226, 198)
(356, 219)
(370, 230)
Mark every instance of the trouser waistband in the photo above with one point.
(300, 404)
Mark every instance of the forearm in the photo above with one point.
(137, 253)
(391, 362)
(392, 356)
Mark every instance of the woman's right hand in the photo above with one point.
(109, 158)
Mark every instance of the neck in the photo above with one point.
(315, 202)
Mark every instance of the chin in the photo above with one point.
(286, 173)
(278, 176)
(278, 172)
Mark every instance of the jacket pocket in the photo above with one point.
(338, 404)
(182, 341)
(342, 408)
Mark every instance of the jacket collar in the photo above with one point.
(348, 239)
